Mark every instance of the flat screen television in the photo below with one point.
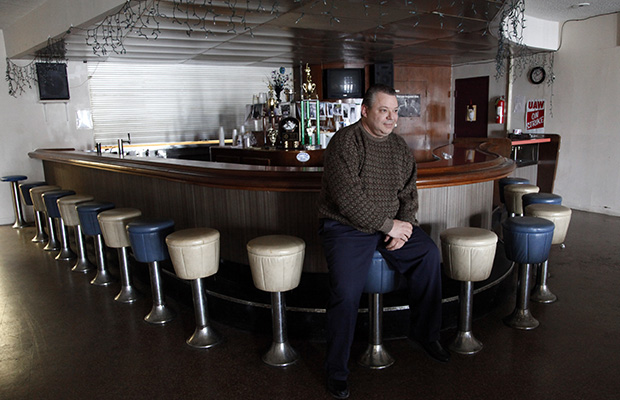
(341, 83)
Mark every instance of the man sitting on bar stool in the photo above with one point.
(369, 201)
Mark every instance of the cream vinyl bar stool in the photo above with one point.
(69, 215)
(276, 262)
(36, 194)
(468, 255)
(195, 254)
(560, 216)
(513, 195)
(113, 228)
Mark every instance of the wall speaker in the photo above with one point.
(383, 73)
(52, 80)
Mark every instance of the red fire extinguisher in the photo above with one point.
(500, 108)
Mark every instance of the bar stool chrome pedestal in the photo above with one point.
(147, 238)
(17, 204)
(381, 279)
(527, 241)
(195, 254)
(113, 228)
(68, 211)
(87, 213)
(53, 213)
(276, 262)
(468, 255)
(39, 211)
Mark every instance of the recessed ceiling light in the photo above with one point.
(580, 5)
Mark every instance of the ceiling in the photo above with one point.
(253, 32)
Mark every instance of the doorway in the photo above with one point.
(471, 107)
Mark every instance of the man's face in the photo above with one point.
(380, 119)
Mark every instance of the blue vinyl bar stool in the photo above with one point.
(113, 224)
(148, 242)
(511, 180)
(560, 216)
(17, 204)
(195, 254)
(53, 214)
(527, 241)
(276, 262)
(540, 198)
(36, 194)
(468, 254)
(67, 206)
(24, 190)
(381, 279)
(87, 213)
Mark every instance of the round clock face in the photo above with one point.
(537, 75)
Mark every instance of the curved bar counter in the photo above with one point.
(455, 185)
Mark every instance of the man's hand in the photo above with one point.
(400, 233)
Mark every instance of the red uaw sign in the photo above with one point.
(535, 115)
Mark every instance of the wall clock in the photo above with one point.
(537, 75)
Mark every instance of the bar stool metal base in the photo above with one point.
(17, 207)
(128, 293)
(541, 292)
(375, 356)
(280, 354)
(82, 264)
(52, 242)
(465, 342)
(65, 253)
(39, 221)
(160, 313)
(204, 335)
(521, 318)
(103, 277)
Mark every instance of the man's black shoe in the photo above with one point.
(338, 389)
(435, 350)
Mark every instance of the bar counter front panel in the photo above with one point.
(455, 185)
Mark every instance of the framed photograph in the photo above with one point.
(409, 105)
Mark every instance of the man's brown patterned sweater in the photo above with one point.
(367, 181)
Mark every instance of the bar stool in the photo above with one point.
(17, 204)
(513, 195)
(87, 212)
(276, 262)
(381, 279)
(527, 241)
(67, 206)
(147, 238)
(195, 254)
(24, 191)
(560, 216)
(113, 224)
(39, 209)
(540, 198)
(468, 255)
(53, 213)
(510, 180)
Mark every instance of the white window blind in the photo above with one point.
(167, 103)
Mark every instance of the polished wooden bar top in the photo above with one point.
(455, 164)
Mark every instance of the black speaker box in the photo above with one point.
(52, 80)
(382, 73)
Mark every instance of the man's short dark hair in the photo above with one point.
(369, 97)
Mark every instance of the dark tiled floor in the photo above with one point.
(62, 338)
